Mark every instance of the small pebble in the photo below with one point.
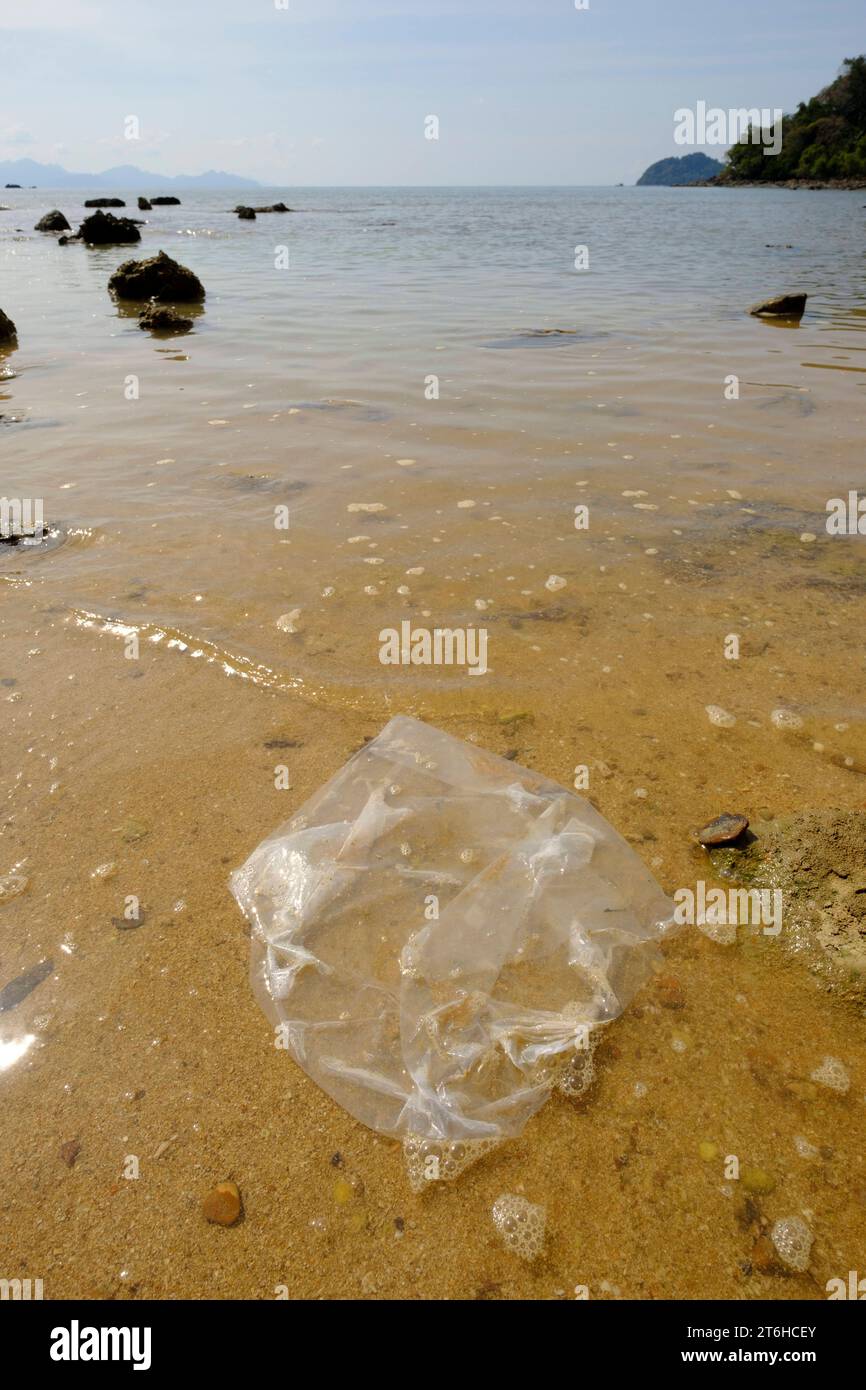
(554, 583)
(757, 1180)
(720, 717)
(286, 623)
(70, 1151)
(763, 1256)
(222, 1204)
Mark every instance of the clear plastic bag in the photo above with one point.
(440, 932)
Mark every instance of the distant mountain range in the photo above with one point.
(123, 176)
(679, 170)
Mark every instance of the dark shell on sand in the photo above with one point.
(723, 830)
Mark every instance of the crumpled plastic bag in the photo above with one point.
(440, 932)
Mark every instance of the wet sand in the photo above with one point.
(163, 767)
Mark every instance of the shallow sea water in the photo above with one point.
(305, 388)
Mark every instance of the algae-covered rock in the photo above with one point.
(157, 277)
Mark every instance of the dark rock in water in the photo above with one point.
(159, 319)
(243, 210)
(19, 988)
(247, 214)
(144, 205)
(105, 203)
(52, 222)
(158, 278)
(104, 229)
(781, 306)
(8, 332)
(723, 830)
(12, 185)
(164, 202)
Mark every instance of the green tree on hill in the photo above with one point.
(825, 138)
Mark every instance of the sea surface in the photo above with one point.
(389, 408)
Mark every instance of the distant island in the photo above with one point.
(824, 139)
(679, 170)
(28, 173)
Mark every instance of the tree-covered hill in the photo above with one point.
(825, 138)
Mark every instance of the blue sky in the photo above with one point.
(337, 91)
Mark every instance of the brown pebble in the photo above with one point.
(670, 992)
(763, 1256)
(222, 1204)
(70, 1151)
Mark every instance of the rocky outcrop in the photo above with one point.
(144, 205)
(105, 203)
(53, 222)
(247, 214)
(104, 229)
(781, 306)
(157, 318)
(167, 201)
(7, 329)
(158, 278)
(816, 860)
(242, 209)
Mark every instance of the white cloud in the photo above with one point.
(52, 14)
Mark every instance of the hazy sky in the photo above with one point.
(337, 91)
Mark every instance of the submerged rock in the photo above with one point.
(159, 278)
(104, 229)
(783, 306)
(723, 830)
(8, 333)
(53, 222)
(247, 214)
(69, 1151)
(222, 1205)
(157, 318)
(144, 205)
(166, 201)
(105, 203)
